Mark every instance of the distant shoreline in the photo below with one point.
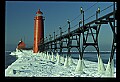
(76, 52)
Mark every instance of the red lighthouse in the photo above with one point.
(38, 30)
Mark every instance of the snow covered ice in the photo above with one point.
(31, 64)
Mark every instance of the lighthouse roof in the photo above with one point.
(39, 12)
(21, 42)
(21, 45)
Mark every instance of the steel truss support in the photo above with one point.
(114, 30)
(113, 25)
(73, 37)
(94, 43)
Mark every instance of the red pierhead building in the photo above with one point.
(21, 45)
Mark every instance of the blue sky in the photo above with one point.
(19, 19)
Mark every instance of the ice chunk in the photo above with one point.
(62, 59)
(58, 59)
(110, 68)
(66, 62)
(52, 59)
(101, 67)
(70, 61)
(79, 67)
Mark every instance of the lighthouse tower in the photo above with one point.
(38, 30)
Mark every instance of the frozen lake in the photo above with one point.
(41, 65)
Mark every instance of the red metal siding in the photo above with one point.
(38, 31)
(21, 45)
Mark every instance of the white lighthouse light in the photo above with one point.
(38, 14)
